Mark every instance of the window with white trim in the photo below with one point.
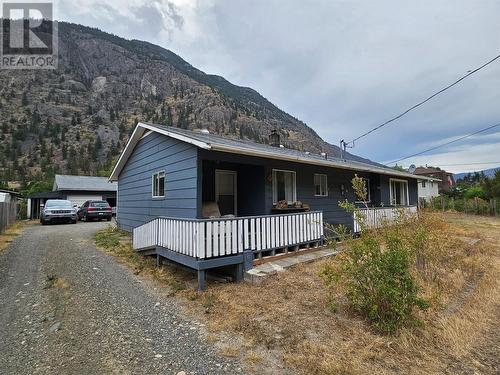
(158, 182)
(367, 185)
(284, 186)
(399, 192)
(320, 185)
(423, 184)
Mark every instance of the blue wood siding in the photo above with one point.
(189, 176)
(255, 186)
(153, 153)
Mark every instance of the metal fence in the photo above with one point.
(8, 213)
(472, 206)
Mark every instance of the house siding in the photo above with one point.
(259, 186)
(154, 153)
(189, 175)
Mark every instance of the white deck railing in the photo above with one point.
(209, 238)
(374, 217)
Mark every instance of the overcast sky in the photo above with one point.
(340, 66)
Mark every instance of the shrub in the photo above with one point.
(475, 191)
(378, 282)
(375, 272)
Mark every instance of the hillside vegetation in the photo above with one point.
(76, 119)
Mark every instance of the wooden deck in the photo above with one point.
(208, 243)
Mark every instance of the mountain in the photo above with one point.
(76, 119)
(487, 172)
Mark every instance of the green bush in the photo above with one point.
(375, 270)
(475, 191)
(378, 282)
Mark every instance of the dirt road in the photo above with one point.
(67, 308)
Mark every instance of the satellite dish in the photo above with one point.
(412, 168)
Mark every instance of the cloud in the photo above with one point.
(342, 67)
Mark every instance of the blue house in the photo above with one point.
(207, 201)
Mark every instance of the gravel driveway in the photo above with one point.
(68, 308)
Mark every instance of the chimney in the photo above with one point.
(274, 138)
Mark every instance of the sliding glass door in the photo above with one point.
(399, 192)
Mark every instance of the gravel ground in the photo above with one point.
(67, 308)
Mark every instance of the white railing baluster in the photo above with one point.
(240, 236)
(216, 238)
(234, 237)
(252, 234)
(222, 238)
(258, 228)
(246, 234)
(205, 239)
(209, 239)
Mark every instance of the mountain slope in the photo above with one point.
(487, 172)
(77, 118)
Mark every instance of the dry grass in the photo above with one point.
(118, 244)
(289, 323)
(14, 230)
(292, 318)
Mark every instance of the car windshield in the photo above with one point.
(99, 204)
(58, 204)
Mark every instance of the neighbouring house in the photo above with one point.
(446, 179)
(76, 189)
(428, 189)
(8, 207)
(207, 201)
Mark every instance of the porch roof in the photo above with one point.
(217, 143)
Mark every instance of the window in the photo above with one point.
(284, 187)
(399, 192)
(367, 185)
(320, 185)
(158, 184)
(423, 184)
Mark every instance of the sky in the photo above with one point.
(341, 66)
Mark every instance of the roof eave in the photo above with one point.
(139, 131)
(326, 163)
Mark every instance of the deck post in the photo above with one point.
(247, 259)
(238, 272)
(158, 260)
(201, 280)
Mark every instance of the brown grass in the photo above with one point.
(13, 231)
(118, 244)
(290, 323)
(291, 316)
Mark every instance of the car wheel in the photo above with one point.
(43, 222)
(84, 217)
(73, 221)
(109, 219)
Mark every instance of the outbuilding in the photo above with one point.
(76, 189)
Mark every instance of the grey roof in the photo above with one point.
(83, 183)
(218, 143)
(11, 192)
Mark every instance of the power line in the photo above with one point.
(474, 163)
(471, 72)
(447, 143)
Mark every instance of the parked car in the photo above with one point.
(97, 210)
(58, 211)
